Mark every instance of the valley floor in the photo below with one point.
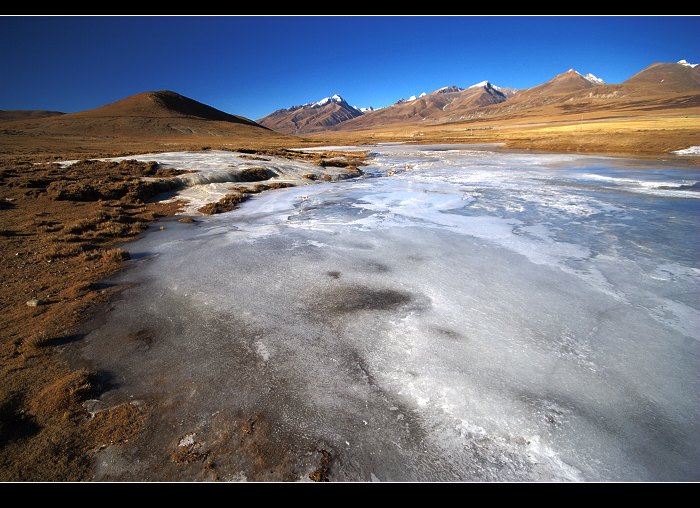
(55, 253)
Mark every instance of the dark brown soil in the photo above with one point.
(60, 231)
(321, 474)
(60, 228)
(226, 204)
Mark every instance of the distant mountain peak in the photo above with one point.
(422, 95)
(480, 84)
(313, 116)
(686, 63)
(485, 84)
(449, 89)
(333, 98)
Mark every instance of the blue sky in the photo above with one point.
(253, 65)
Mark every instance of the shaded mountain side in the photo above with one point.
(24, 114)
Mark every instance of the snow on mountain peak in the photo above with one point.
(411, 98)
(422, 95)
(686, 63)
(574, 70)
(480, 84)
(485, 84)
(594, 79)
(365, 110)
(334, 98)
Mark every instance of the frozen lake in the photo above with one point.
(477, 315)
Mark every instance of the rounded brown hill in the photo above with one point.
(162, 104)
(668, 76)
(147, 114)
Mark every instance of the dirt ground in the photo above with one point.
(60, 231)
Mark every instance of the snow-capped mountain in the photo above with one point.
(448, 89)
(686, 63)
(333, 98)
(311, 117)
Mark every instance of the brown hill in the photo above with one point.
(675, 77)
(312, 117)
(147, 119)
(661, 86)
(146, 114)
(565, 83)
(161, 104)
(23, 114)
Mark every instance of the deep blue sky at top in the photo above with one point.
(253, 65)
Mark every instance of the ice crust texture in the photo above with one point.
(479, 315)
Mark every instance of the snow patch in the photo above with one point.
(691, 150)
(187, 440)
(594, 79)
(480, 84)
(334, 98)
(686, 63)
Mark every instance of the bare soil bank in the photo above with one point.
(59, 234)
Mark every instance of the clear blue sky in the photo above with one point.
(253, 65)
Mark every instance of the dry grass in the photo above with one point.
(618, 134)
(226, 204)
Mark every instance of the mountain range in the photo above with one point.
(564, 93)
(663, 99)
(312, 117)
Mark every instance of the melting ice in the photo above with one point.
(478, 315)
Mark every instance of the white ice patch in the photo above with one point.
(262, 351)
(216, 170)
(187, 440)
(490, 315)
(691, 150)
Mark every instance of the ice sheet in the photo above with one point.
(477, 315)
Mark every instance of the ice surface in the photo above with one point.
(691, 150)
(216, 170)
(478, 315)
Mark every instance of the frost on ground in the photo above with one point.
(478, 315)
